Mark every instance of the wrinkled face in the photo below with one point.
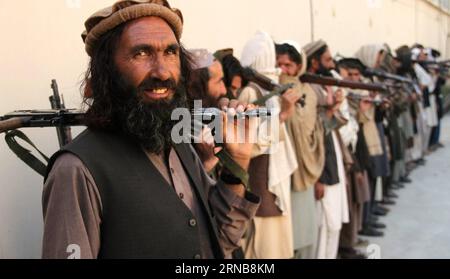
(216, 86)
(287, 66)
(354, 75)
(148, 59)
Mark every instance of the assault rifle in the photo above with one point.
(61, 119)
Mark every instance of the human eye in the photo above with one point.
(172, 50)
(141, 53)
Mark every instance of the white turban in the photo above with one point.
(259, 54)
(368, 54)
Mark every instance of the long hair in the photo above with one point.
(198, 86)
(231, 68)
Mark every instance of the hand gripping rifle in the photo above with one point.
(358, 98)
(269, 85)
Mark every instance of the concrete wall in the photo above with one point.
(44, 43)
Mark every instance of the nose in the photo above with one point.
(332, 65)
(159, 69)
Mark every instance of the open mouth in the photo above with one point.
(158, 93)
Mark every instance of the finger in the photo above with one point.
(208, 138)
(231, 112)
(233, 104)
(294, 98)
(250, 107)
(224, 126)
(223, 103)
(240, 108)
(244, 104)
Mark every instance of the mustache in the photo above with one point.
(155, 83)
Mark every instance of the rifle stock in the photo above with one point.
(263, 81)
(13, 123)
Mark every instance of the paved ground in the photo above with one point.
(418, 227)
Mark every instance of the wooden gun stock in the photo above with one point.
(263, 81)
(13, 123)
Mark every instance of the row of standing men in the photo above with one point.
(339, 157)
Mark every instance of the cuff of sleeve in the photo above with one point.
(249, 203)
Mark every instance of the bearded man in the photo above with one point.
(123, 189)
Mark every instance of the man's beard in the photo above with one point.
(148, 123)
(210, 101)
(324, 71)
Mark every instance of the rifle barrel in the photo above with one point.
(321, 80)
(386, 75)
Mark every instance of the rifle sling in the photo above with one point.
(24, 154)
(233, 167)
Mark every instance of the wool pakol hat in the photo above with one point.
(222, 53)
(126, 10)
(202, 58)
(311, 48)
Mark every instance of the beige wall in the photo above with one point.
(44, 43)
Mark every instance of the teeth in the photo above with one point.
(160, 90)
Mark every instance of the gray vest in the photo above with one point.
(142, 215)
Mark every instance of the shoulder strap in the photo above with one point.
(24, 154)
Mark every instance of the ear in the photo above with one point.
(315, 64)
